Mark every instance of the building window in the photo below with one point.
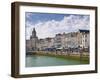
(80, 42)
(85, 40)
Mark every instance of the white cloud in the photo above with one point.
(28, 15)
(50, 28)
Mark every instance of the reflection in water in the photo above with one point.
(38, 60)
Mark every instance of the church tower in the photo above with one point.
(34, 40)
(34, 33)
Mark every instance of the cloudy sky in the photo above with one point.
(47, 25)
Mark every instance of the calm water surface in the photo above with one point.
(38, 60)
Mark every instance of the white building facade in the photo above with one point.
(79, 39)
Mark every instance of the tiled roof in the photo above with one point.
(86, 31)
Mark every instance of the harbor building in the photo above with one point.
(74, 40)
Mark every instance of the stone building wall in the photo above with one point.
(77, 39)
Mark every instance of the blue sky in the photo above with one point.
(47, 25)
(38, 17)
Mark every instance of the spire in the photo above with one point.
(34, 29)
(34, 33)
